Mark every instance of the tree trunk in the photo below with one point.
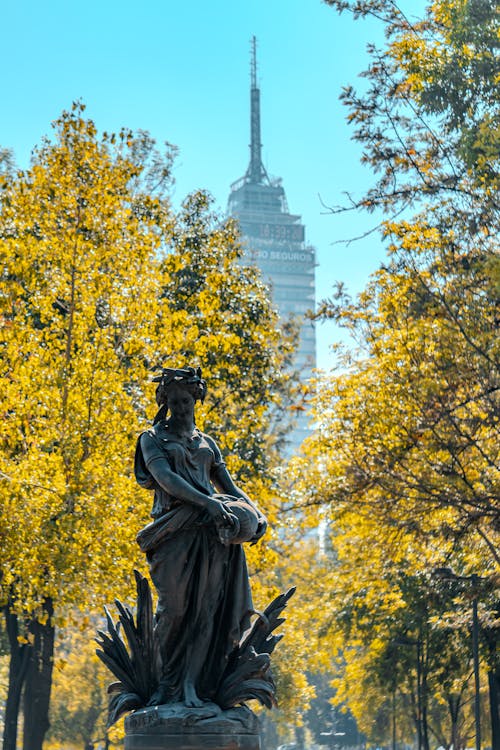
(490, 638)
(424, 701)
(454, 710)
(18, 664)
(494, 695)
(39, 680)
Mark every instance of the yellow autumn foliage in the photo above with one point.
(102, 282)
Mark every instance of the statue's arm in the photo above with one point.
(224, 483)
(175, 485)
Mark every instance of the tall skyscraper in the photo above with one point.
(274, 240)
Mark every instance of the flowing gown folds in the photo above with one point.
(204, 598)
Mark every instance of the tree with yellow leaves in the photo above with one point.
(404, 463)
(98, 286)
(79, 267)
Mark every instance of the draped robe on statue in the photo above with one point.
(204, 598)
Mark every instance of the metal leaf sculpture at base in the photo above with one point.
(136, 663)
(136, 667)
(247, 674)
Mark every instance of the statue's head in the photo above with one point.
(188, 379)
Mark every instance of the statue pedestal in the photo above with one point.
(177, 727)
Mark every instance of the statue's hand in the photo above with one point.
(261, 529)
(219, 514)
(226, 523)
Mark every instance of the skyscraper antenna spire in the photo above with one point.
(255, 172)
(253, 65)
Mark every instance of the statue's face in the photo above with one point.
(180, 402)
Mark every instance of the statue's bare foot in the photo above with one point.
(190, 696)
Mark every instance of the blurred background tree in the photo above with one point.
(402, 470)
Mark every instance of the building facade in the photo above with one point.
(274, 240)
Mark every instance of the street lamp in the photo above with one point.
(447, 574)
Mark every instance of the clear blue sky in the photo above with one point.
(181, 71)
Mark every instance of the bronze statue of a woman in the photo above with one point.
(187, 674)
(193, 546)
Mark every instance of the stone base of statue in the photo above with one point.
(176, 726)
